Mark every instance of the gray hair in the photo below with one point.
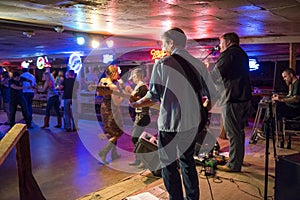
(177, 35)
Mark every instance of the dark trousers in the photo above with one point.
(29, 97)
(282, 110)
(235, 116)
(53, 101)
(1, 98)
(140, 123)
(180, 146)
(14, 102)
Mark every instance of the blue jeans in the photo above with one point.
(14, 102)
(170, 145)
(235, 116)
(68, 112)
(53, 101)
(29, 97)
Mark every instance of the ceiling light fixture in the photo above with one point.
(28, 34)
(109, 43)
(95, 44)
(59, 29)
(80, 40)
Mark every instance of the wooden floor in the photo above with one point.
(66, 166)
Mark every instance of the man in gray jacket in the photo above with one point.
(179, 114)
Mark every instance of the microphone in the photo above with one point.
(216, 48)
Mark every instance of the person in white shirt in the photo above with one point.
(29, 82)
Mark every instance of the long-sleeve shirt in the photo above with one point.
(231, 75)
(179, 104)
(28, 82)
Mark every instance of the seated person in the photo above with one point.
(286, 105)
(289, 106)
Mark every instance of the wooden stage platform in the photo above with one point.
(66, 166)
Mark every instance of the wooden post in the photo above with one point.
(28, 186)
(293, 48)
(274, 76)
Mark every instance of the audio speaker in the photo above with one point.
(147, 151)
(287, 177)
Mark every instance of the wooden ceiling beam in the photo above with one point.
(270, 40)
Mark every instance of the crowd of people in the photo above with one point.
(18, 89)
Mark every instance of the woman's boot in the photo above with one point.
(114, 153)
(46, 122)
(58, 123)
(102, 154)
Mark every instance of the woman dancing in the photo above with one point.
(110, 113)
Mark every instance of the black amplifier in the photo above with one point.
(147, 151)
(287, 177)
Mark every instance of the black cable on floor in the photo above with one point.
(218, 179)
(210, 190)
(206, 177)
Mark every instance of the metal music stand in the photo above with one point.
(261, 106)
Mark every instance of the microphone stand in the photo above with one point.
(270, 126)
(211, 52)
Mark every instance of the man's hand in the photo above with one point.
(134, 104)
(133, 98)
(128, 89)
(275, 97)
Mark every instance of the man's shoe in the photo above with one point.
(68, 130)
(225, 168)
(135, 163)
(261, 135)
(141, 166)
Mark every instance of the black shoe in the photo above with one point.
(135, 163)
(69, 130)
(141, 166)
(261, 135)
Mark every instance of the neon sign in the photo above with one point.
(253, 65)
(157, 54)
(75, 62)
(42, 62)
(25, 64)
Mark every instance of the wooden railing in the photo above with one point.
(18, 136)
